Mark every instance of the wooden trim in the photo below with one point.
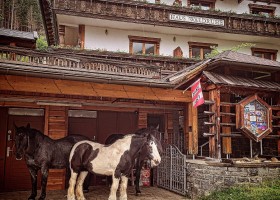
(262, 50)
(67, 87)
(268, 9)
(144, 40)
(200, 45)
(211, 2)
(82, 36)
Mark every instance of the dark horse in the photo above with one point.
(116, 160)
(141, 157)
(42, 153)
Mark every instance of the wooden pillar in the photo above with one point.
(226, 129)
(218, 125)
(82, 36)
(46, 127)
(56, 126)
(186, 125)
(212, 129)
(193, 132)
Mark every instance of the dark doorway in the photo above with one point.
(99, 126)
(17, 176)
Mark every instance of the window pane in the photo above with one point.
(205, 6)
(137, 48)
(196, 52)
(268, 56)
(206, 51)
(149, 49)
(257, 54)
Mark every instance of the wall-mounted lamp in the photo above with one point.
(174, 39)
(106, 32)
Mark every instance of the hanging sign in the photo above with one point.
(197, 20)
(197, 95)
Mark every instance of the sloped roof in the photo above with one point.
(241, 82)
(185, 75)
(245, 58)
(18, 34)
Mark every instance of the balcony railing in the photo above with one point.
(158, 14)
(61, 63)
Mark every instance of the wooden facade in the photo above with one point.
(228, 87)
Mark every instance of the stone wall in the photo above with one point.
(203, 178)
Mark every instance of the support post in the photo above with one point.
(226, 129)
(193, 132)
(212, 129)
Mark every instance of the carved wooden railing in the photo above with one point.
(72, 62)
(158, 14)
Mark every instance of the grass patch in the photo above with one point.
(269, 190)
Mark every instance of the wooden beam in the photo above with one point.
(218, 125)
(82, 35)
(212, 118)
(227, 149)
(193, 134)
(67, 87)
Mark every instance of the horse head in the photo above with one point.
(152, 147)
(21, 140)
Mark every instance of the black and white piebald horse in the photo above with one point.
(142, 157)
(42, 153)
(116, 160)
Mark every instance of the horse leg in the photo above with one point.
(139, 166)
(45, 173)
(114, 188)
(123, 193)
(72, 183)
(79, 185)
(33, 172)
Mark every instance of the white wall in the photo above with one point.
(117, 40)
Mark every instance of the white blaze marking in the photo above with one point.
(156, 156)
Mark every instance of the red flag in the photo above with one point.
(197, 96)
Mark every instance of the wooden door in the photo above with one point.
(17, 176)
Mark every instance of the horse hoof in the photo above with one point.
(137, 193)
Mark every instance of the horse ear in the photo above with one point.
(28, 126)
(157, 127)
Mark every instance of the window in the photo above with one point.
(143, 45)
(204, 4)
(68, 35)
(267, 11)
(199, 50)
(270, 54)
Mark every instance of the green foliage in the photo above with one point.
(269, 190)
(41, 43)
(214, 52)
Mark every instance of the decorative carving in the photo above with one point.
(156, 13)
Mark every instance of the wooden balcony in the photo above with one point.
(90, 64)
(163, 15)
